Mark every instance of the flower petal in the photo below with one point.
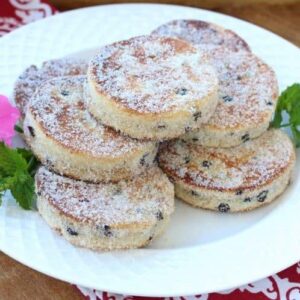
(9, 115)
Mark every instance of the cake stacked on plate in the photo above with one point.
(233, 162)
(190, 94)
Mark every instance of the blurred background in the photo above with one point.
(279, 16)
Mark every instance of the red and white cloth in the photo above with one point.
(282, 286)
(15, 13)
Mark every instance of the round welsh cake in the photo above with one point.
(248, 95)
(32, 77)
(204, 33)
(230, 180)
(152, 87)
(127, 214)
(248, 88)
(66, 139)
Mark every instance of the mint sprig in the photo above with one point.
(17, 169)
(289, 103)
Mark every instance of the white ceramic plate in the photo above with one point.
(201, 251)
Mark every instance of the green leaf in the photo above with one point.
(23, 191)
(277, 120)
(27, 154)
(32, 162)
(7, 182)
(17, 169)
(11, 160)
(289, 103)
(2, 172)
(296, 135)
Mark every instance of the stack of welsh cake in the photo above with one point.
(189, 103)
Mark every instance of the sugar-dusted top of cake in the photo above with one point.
(204, 33)
(59, 106)
(248, 89)
(248, 166)
(149, 74)
(141, 200)
(32, 77)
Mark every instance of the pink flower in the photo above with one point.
(9, 115)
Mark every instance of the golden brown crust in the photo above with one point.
(248, 88)
(141, 75)
(156, 88)
(199, 32)
(29, 81)
(246, 167)
(59, 108)
(126, 204)
(58, 126)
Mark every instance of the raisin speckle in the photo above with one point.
(195, 140)
(39, 193)
(161, 126)
(245, 137)
(206, 164)
(155, 159)
(248, 199)
(197, 116)
(31, 131)
(159, 216)
(65, 93)
(49, 163)
(239, 192)
(182, 91)
(84, 200)
(143, 159)
(227, 98)
(223, 207)
(270, 103)
(107, 231)
(150, 238)
(188, 129)
(195, 193)
(239, 77)
(72, 231)
(261, 197)
(187, 159)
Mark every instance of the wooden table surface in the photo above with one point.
(18, 282)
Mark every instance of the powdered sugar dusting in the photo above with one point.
(32, 77)
(123, 203)
(59, 107)
(249, 165)
(200, 32)
(152, 74)
(248, 87)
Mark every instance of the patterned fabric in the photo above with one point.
(282, 286)
(15, 13)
